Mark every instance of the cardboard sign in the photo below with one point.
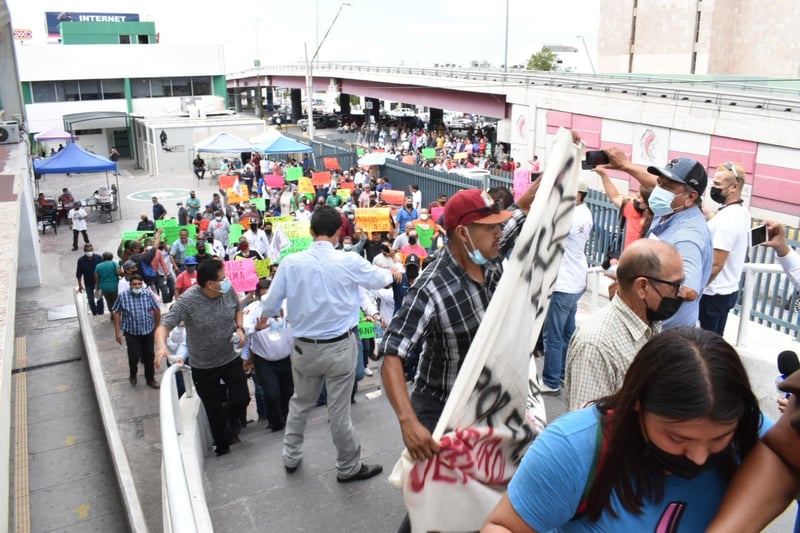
(241, 274)
(393, 197)
(305, 186)
(349, 185)
(235, 233)
(331, 163)
(226, 182)
(373, 219)
(167, 223)
(274, 182)
(321, 179)
(409, 160)
(429, 153)
(294, 173)
(237, 195)
(262, 267)
(261, 203)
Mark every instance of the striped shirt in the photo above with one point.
(601, 351)
(137, 312)
(441, 314)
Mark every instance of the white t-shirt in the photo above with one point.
(78, 218)
(572, 274)
(417, 199)
(730, 231)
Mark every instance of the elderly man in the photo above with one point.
(677, 219)
(730, 230)
(136, 316)
(650, 276)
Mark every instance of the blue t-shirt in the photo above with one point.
(688, 232)
(548, 485)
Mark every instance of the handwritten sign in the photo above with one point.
(429, 153)
(331, 163)
(260, 203)
(236, 233)
(275, 220)
(436, 212)
(373, 219)
(321, 179)
(366, 329)
(305, 186)
(294, 173)
(393, 197)
(226, 182)
(191, 250)
(409, 160)
(274, 182)
(132, 235)
(167, 223)
(522, 182)
(238, 195)
(241, 274)
(262, 268)
(296, 229)
(349, 185)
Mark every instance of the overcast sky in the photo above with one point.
(378, 32)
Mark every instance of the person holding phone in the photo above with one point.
(788, 258)
(729, 229)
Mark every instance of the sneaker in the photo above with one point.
(369, 372)
(365, 472)
(546, 389)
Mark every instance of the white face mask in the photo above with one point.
(89, 254)
(424, 216)
(218, 219)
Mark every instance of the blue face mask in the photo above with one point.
(137, 290)
(474, 255)
(224, 285)
(660, 201)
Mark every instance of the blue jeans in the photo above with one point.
(559, 325)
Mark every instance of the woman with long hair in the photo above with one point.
(655, 456)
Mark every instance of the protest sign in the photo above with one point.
(360, 152)
(429, 153)
(495, 408)
(294, 173)
(282, 218)
(274, 182)
(241, 274)
(235, 233)
(331, 163)
(409, 160)
(522, 182)
(373, 219)
(191, 250)
(262, 268)
(393, 197)
(436, 212)
(305, 186)
(320, 179)
(349, 185)
(344, 194)
(261, 203)
(461, 155)
(366, 329)
(170, 234)
(226, 182)
(299, 236)
(132, 235)
(167, 223)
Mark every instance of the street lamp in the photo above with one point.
(310, 73)
(587, 53)
(505, 57)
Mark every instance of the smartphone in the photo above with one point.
(758, 235)
(594, 158)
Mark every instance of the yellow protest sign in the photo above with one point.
(237, 195)
(304, 186)
(299, 229)
(262, 268)
(373, 219)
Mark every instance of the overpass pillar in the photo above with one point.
(437, 118)
(270, 100)
(344, 103)
(237, 100)
(297, 105)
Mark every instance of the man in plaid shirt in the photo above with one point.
(137, 315)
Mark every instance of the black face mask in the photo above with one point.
(667, 308)
(253, 227)
(681, 465)
(268, 231)
(637, 205)
(412, 241)
(385, 249)
(716, 195)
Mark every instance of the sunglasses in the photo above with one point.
(730, 166)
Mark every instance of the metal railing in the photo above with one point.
(178, 512)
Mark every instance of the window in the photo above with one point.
(113, 89)
(44, 91)
(181, 87)
(140, 88)
(201, 86)
(78, 133)
(90, 89)
(160, 87)
(71, 91)
(143, 39)
(124, 39)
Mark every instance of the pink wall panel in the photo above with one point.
(777, 183)
(589, 129)
(559, 118)
(726, 149)
(703, 159)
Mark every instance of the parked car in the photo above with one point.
(402, 112)
(325, 120)
(285, 118)
(472, 173)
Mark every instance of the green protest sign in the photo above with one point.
(167, 223)
(170, 234)
(261, 203)
(236, 233)
(360, 151)
(297, 245)
(191, 250)
(132, 235)
(262, 268)
(294, 173)
(366, 329)
(429, 153)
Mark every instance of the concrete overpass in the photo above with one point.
(653, 119)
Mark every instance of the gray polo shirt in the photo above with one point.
(210, 324)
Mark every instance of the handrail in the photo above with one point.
(181, 517)
(750, 271)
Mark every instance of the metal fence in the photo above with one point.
(343, 153)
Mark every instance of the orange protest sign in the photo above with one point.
(409, 159)
(226, 182)
(393, 197)
(237, 195)
(349, 185)
(321, 179)
(373, 219)
(331, 163)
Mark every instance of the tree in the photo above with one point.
(545, 59)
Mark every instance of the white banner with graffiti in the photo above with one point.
(495, 409)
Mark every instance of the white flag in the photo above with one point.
(495, 409)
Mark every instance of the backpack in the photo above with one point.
(600, 450)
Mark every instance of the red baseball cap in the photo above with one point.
(473, 206)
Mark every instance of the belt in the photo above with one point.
(341, 337)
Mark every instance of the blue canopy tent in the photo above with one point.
(282, 145)
(223, 143)
(74, 159)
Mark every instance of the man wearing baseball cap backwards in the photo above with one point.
(443, 309)
(678, 220)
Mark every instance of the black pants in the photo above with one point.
(141, 347)
(95, 305)
(275, 378)
(219, 411)
(714, 309)
(75, 238)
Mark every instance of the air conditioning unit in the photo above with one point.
(9, 132)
